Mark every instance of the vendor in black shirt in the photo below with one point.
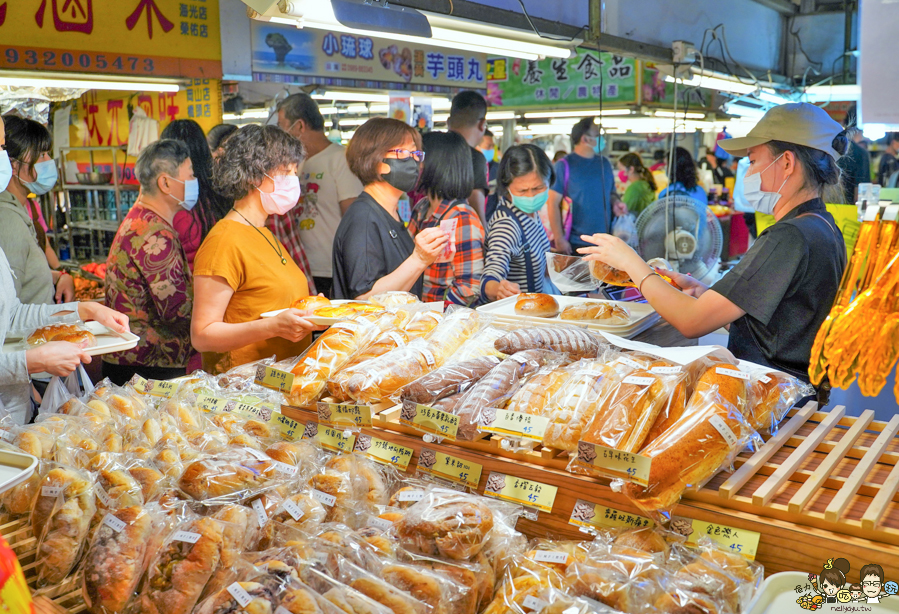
(373, 251)
(776, 298)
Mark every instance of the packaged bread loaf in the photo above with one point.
(378, 379)
(433, 587)
(446, 523)
(771, 395)
(533, 397)
(459, 324)
(576, 342)
(382, 344)
(394, 298)
(474, 579)
(240, 529)
(236, 474)
(60, 521)
(73, 333)
(691, 451)
(447, 380)
(373, 587)
(422, 323)
(325, 357)
(497, 386)
(610, 314)
(115, 560)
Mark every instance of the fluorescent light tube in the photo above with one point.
(90, 82)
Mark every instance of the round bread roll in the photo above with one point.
(536, 305)
(82, 338)
(310, 302)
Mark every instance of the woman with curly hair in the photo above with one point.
(241, 269)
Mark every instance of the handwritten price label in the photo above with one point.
(160, 388)
(518, 424)
(384, 452)
(290, 429)
(592, 515)
(429, 420)
(736, 541)
(210, 403)
(609, 462)
(524, 492)
(341, 414)
(331, 438)
(450, 468)
(275, 379)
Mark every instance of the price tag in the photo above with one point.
(666, 370)
(397, 339)
(639, 381)
(51, 491)
(331, 438)
(429, 420)
(275, 379)
(160, 388)
(7, 435)
(532, 603)
(103, 496)
(290, 429)
(586, 514)
(210, 403)
(114, 523)
(284, 467)
(721, 426)
(380, 523)
(186, 536)
(736, 541)
(550, 556)
(429, 357)
(248, 411)
(518, 424)
(410, 495)
(241, 596)
(764, 379)
(323, 498)
(382, 451)
(450, 468)
(293, 509)
(520, 360)
(609, 462)
(259, 508)
(433, 314)
(732, 373)
(138, 383)
(521, 491)
(631, 363)
(341, 414)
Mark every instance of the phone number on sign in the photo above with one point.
(85, 61)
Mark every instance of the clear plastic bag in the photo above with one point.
(771, 395)
(233, 476)
(422, 324)
(394, 298)
(576, 342)
(347, 599)
(76, 333)
(387, 341)
(399, 601)
(625, 228)
(570, 273)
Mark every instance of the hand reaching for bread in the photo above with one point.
(56, 358)
(429, 244)
(109, 318)
(503, 289)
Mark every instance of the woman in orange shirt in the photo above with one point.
(241, 270)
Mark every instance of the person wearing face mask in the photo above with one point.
(586, 177)
(516, 241)
(23, 237)
(147, 275)
(777, 296)
(242, 270)
(373, 251)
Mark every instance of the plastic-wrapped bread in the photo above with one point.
(399, 601)
(325, 357)
(114, 563)
(232, 474)
(731, 384)
(387, 341)
(458, 326)
(339, 485)
(533, 397)
(576, 342)
(446, 523)
(677, 404)
(695, 448)
(574, 406)
(611, 314)
(368, 483)
(447, 380)
(771, 395)
(494, 388)
(422, 323)
(394, 298)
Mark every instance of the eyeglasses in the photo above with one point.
(405, 154)
(873, 583)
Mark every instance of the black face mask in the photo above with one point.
(403, 174)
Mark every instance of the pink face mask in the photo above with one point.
(284, 197)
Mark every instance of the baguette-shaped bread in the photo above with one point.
(574, 406)
(326, 356)
(447, 380)
(114, 563)
(533, 397)
(384, 343)
(575, 342)
(606, 313)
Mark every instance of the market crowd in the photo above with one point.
(239, 222)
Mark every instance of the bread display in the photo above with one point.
(394, 298)
(536, 305)
(219, 477)
(447, 524)
(386, 342)
(576, 402)
(447, 380)
(73, 333)
(606, 313)
(533, 397)
(575, 342)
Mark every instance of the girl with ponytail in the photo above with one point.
(642, 189)
(831, 579)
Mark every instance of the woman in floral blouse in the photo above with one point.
(147, 275)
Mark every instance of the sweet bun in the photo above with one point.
(82, 338)
(536, 305)
(310, 303)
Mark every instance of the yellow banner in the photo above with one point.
(174, 38)
(846, 217)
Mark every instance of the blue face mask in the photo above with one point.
(530, 204)
(191, 193)
(5, 170)
(600, 144)
(46, 176)
(489, 154)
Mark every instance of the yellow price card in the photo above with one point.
(517, 424)
(210, 403)
(518, 490)
(331, 438)
(737, 541)
(600, 460)
(275, 379)
(596, 516)
(383, 451)
(450, 468)
(159, 388)
(429, 420)
(343, 414)
(290, 429)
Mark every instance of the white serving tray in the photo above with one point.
(314, 319)
(15, 468)
(107, 341)
(777, 595)
(642, 314)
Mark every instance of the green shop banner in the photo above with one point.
(513, 82)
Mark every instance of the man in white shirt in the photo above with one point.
(329, 188)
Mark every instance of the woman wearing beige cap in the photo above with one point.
(778, 295)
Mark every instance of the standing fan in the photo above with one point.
(683, 231)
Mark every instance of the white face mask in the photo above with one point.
(763, 202)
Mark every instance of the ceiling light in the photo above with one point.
(743, 110)
(258, 114)
(826, 93)
(772, 96)
(354, 121)
(493, 116)
(577, 114)
(721, 84)
(361, 108)
(673, 115)
(88, 82)
(352, 96)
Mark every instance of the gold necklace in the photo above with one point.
(275, 246)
